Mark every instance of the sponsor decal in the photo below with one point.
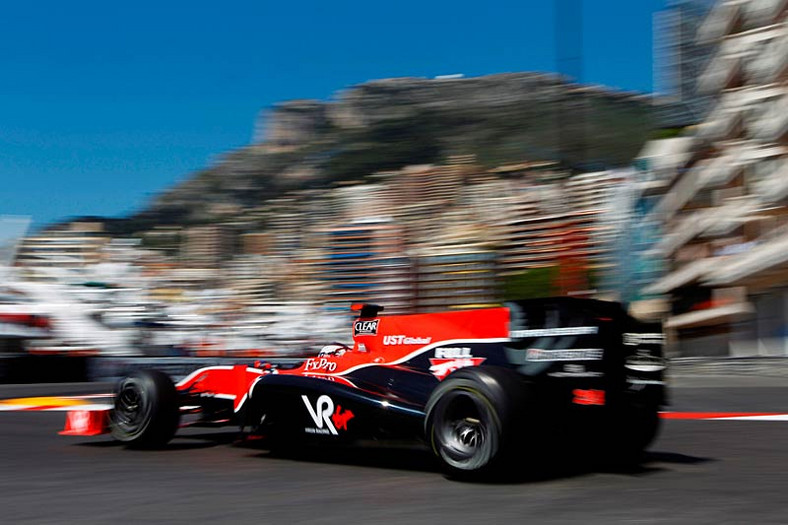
(441, 367)
(405, 340)
(572, 354)
(453, 352)
(320, 376)
(588, 397)
(368, 327)
(321, 363)
(546, 332)
(78, 420)
(86, 423)
(575, 371)
(644, 339)
(646, 363)
(327, 420)
(636, 381)
(340, 418)
(332, 379)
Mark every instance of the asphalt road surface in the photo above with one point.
(697, 472)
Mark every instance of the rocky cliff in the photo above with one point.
(387, 124)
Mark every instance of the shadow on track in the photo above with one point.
(672, 457)
(418, 458)
(410, 458)
(652, 462)
(181, 442)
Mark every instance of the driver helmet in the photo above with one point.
(333, 350)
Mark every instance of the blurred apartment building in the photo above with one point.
(68, 246)
(539, 240)
(206, 246)
(430, 237)
(419, 195)
(421, 238)
(12, 231)
(364, 262)
(632, 229)
(592, 196)
(284, 225)
(376, 253)
(592, 191)
(455, 276)
(558, 224)
(256, 243)
(248, 277)
(636, 229)
(679, 59)
(458, 266)
(725, 213)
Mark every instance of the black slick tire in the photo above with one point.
(475, 420)
(146, 413)
(633, 427)
(641, 425)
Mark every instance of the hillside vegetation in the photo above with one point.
(388, 124)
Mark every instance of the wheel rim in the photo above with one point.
(468, 435)
(462, 430)
(131, 408)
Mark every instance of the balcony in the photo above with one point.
(762, 12)
(687, 274)
(710, 316)
(721, 120)
(768, 65)
(722, 68)
(720, 21)
(681, 193)
(690, 227)
(728, 217)
(773, 185)
(721, 170)
(770, 120)
(769, 255)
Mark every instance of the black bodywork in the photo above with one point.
(589, 368)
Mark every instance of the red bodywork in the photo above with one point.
(377, 341)
(395, 339)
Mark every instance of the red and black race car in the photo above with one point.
(482, 387)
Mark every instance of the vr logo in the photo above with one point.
(321, 414)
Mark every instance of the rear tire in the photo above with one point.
(146, 412)
(644, 422)
(475, 418)
(634, 429)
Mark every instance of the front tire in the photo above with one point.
(146, 412)
(474, 420)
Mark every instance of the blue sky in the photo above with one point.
(103, 104)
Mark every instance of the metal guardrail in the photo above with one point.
(760, 366)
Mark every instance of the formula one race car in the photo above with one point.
(483, 388)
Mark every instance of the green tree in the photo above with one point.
(538, 282)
